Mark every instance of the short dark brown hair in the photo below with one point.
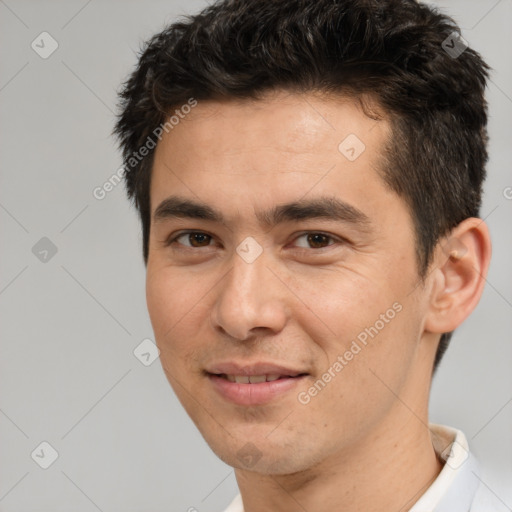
(396, 52)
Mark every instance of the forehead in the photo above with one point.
(284, 144)
(278, 121)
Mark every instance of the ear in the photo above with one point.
(460, 267)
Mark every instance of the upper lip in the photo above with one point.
(259, 368)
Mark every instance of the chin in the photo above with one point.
(263, 457)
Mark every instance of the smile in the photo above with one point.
(250, 390)
(254, 379)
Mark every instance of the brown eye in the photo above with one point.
(199, 239)
(192, 239)
(315, 240)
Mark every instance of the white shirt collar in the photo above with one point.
(454, 488)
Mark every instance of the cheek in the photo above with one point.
(348, 401)
(176, 308)
(370, 343)
(161, 302)
(344, 304)
(175, 303)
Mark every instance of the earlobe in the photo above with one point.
(461, 260)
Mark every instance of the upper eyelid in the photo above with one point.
(174, 237)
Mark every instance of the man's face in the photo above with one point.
(286, 295)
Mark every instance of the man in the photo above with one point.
(308, 176)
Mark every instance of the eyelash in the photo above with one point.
(173, 240)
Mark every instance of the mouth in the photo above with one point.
(256, 379)
(258, 384)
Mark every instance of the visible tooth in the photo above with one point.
(254, 379)
(231, 378)
(273, 377)
(242, 379)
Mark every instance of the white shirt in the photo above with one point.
(457, 488)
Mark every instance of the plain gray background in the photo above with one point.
(70, 324)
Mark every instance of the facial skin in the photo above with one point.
(356, 444)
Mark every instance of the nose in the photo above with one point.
(251, 298)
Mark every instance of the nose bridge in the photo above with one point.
(249, 296)
(250, 263)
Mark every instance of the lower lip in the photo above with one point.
(253, 394)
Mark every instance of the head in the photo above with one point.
(344, 149)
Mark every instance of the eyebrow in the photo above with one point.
(325, 207)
